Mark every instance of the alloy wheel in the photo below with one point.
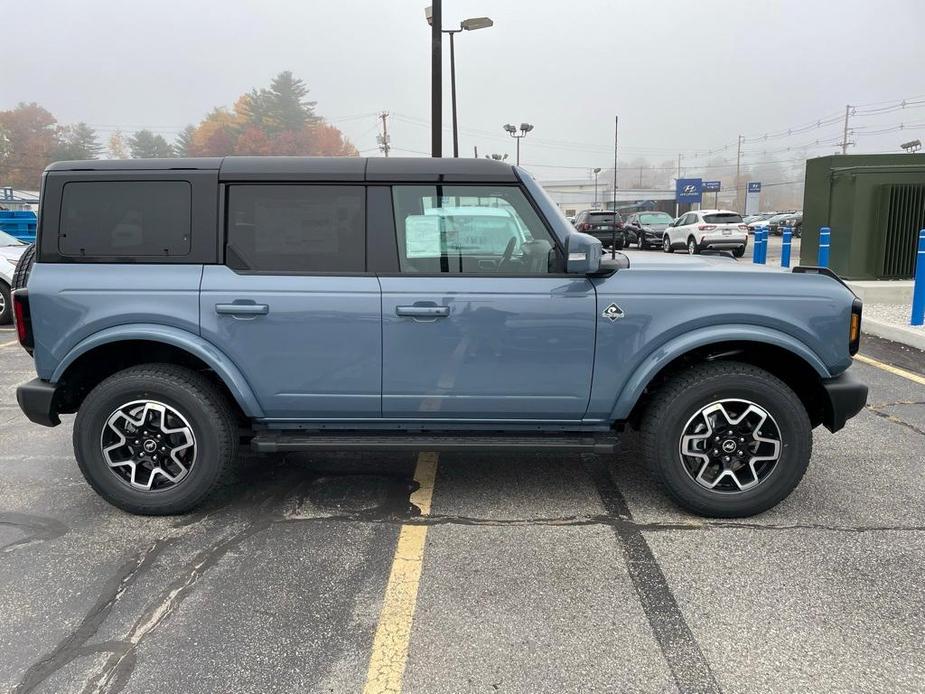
(730, 446)
(148, 445)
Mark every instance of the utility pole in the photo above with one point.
(844, 142)
(738, 172)
(475, 151)
(616, 133)
(677, 205)
(436, 79)
(384, 136)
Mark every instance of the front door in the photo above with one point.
(479, 325)
(293, 306)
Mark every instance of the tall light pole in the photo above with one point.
(470, 24)
(434, 15)
(512, 131)
(596, 170)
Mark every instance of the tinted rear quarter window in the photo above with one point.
(723, 218)
(125, 219)
(296, 228)
(604, 218)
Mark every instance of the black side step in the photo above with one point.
(277, 442)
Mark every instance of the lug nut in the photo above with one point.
(726, 459)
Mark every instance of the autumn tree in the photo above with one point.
(118, 149)
(278, 120)
(146, 145)
(31, 134)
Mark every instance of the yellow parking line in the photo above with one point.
(7, 344)
(393, 633)
(892, 369)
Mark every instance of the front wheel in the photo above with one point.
(666, 245)
(6, 306)
(727, 439)
(155, 439)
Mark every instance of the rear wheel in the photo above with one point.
(666, 245)
(738, 252)
(692, 247)
(727, 439)
(154, 439)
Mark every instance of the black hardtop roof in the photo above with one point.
(423, 169)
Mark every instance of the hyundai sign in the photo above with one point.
(712, 186)
(752, 197)
(689, 190)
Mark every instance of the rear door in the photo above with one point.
(478, 324)
(293, 305)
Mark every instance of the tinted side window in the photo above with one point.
(470, 229)
(296, 228)
(125, 219)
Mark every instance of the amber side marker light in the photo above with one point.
(854, 330)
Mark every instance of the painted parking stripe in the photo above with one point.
(393, 632)
(8, 344)
(892, 369)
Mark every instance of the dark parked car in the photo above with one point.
(646, 228)
(793, 220)
(603, 225)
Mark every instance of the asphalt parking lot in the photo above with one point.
(536, 573)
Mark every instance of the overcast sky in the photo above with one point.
(683, 76)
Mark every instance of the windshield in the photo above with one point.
(7, 240)
(655, 218)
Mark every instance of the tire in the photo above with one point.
(6, 305)
(666, 245)
(692, 247)
(24, 268)
(676, 409)
(642, 243)
(738, 252)
(194, 406)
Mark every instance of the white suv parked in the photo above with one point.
(10, 250)
(700, 230)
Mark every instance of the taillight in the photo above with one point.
(743, 227)
(22, 316)
(584, 226)
(706, 227)
(854, 329)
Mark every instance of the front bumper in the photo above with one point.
(845, 396)
(38, 400)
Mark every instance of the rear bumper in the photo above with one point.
(37, 399)
(724, 241)
(845, 396)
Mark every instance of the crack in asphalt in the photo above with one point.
(890, 417)
(37, 529)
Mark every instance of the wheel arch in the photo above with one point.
(113, 349)
(781, 355)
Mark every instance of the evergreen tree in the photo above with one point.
(77, 142)
(184, 144)
(286, 104)
(146, 145)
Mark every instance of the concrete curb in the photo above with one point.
(913, 337)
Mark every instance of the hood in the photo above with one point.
(12, 253)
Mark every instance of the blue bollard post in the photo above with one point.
(825, 239)
(763, 258)
(756, 246)
(918, 289)
(785, 247)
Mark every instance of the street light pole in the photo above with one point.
(453, 89)
(512, 131)
(436, 79)
(597, 170)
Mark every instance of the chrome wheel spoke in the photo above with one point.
(730, 445)
(148, 445)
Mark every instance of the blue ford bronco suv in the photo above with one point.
(184, 307)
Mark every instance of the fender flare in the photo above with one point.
(676, 347)
(182, 339)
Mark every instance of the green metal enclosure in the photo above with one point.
(875, 206)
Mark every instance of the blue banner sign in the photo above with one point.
(689, 190)
(754, 187)
(712, 186)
